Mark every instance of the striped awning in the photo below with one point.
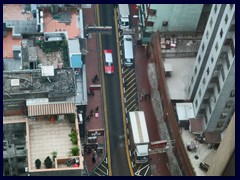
(50, 109)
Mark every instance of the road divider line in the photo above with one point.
(131, 103)
(129, 72)
(130, 82)
(130, 76)
(130, 87)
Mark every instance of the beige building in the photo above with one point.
(224, 160)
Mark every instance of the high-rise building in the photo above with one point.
(212, 85)
(171, 18)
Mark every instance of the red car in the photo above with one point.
(108, 62)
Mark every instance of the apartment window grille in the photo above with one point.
(226, 19)
(199, 58)
(221, 33)
(215, 8)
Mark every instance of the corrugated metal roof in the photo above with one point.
(50, 109)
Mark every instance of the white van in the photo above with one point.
(123, 16)
(128, 50)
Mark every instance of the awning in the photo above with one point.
(50, 109)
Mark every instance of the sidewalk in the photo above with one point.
(158, 162)
(92, 68)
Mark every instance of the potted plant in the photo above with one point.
(73, 136)
(74, 151)
(54, 155)
(48, 162)
(38, 163)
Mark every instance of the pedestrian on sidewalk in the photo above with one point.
(96, 109)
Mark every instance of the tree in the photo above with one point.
(48, 162)
(38, 163)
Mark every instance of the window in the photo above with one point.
(215, 8)
(192, 80)
(199, 58)
(149, 23)
(211, 22)
(223, 74)
(232, 93)
(152, 12)
(196, 103)
(216, 46)
(221, 33)
(203, 47)
(229, 104)
(220, 124)
(212, 59)
(209, 107)
(232, 27)
(165, 23)
(232, 49)
(195, 70)
(207, 35)
(227, 61)
(223, 115)
(218, 86)
(226, 19)
(189, 89)
(231, 6)
(200, 93)
(207, 71)
(204, 81)
(227, 42)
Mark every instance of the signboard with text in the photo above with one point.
(95, 132)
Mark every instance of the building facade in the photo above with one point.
(168, 18)
(212, 85)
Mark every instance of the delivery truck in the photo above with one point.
(139, 134)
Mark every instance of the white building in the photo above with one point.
(212, 86)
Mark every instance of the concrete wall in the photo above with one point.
(224, 152)
(180, 17)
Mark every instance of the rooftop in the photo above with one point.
(32, 84)
(8, 43)
(182, 69)
(63, 21)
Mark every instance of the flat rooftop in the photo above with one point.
(47, 137)
(182, 69)
(57, 25)
(27, 82)
(16, 12)
(8, 43)
(202, 151)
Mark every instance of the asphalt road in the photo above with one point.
(114, 107)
